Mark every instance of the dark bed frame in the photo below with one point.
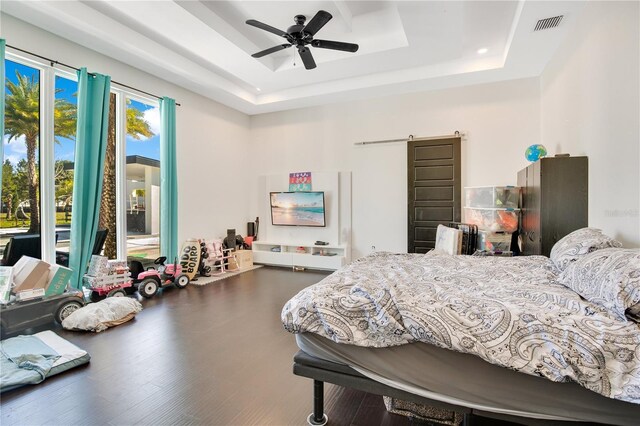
(322, 371)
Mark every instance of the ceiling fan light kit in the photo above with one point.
(301, 36)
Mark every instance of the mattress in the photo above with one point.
(466, 380)
(511, 312)
(66, 356)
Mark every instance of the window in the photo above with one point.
(108, 214)
(65, 115)
(143, 180)
(20, 212)
(38, 94)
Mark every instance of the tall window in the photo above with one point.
(108, 214)
(20, 212)
(143, 180)
(65, 114)
(130, 208)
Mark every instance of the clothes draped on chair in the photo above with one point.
(93, 123)
(168, 180)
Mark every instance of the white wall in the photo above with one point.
(585, 103)
(500, 120)
(590, 101)
(212, 139)
(337, 198)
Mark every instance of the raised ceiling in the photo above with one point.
(205, 46)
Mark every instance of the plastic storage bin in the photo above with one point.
(492, 196)
(494, 220)
(494, 242)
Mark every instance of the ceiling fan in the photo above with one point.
(301, 35)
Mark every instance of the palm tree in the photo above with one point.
(137, 128)
(108, 205)
(22, 118)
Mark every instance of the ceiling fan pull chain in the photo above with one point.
(294, 57)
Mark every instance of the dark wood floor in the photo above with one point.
(214, 355)
(210, 355)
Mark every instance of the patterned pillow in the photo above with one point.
(608, 277)
(578, 243)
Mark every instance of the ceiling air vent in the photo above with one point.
(547, 23)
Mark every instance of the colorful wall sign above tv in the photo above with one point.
(297, 208)
(300, 181)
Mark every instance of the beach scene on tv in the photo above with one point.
(297, 208)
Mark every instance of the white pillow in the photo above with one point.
(608, 277)
(577, 244)
(106, 313)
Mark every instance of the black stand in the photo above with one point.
(318, 418)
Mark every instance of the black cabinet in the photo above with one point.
(555, 198)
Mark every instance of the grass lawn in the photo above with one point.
(61, 220)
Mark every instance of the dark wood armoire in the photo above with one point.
(555, 201)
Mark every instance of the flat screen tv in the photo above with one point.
(297, 208)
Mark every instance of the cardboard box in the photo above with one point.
(29, 294)
(98, 265)
(244, 258)
(6, 280)
(232, 263)
(107, 280)
(30, 274)
(59, 277)
(115, 264)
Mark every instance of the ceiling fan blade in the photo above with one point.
(270, 50)
(317, 22)
(266, 27)
(335, 45)
(307, 58)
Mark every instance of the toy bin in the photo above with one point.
(494, 242)
(498, 197)
(494, 220)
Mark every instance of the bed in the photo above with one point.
(500, 337)
(31, 359)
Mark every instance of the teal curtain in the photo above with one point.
(3, 44)
(168, 180)
(91, 144)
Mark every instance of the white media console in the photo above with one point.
(329, 257)
(296, 243)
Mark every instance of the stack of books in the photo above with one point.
(469, 236)
(457, 238)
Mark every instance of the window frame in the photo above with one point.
(48, 73)
(43, 171)
(48, 229)
(121, 161)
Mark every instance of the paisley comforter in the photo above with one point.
(509, 311)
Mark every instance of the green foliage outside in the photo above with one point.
(20, 192)
(62, 219)
(20, 182)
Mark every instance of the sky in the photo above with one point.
(291, 199)
(16, 150)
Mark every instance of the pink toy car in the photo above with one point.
(151, 280)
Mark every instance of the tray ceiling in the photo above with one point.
(206, 47)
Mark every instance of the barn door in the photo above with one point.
(434, 189)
